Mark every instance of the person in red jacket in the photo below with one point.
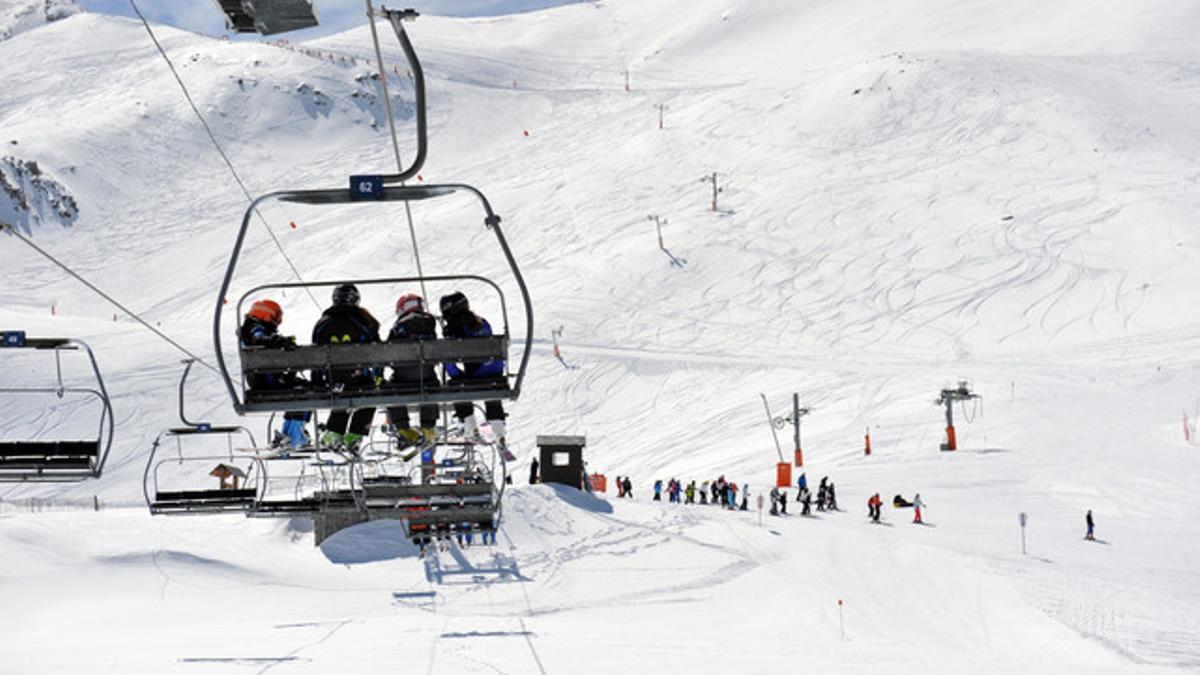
(873, 507)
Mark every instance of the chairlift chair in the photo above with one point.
(248, 484)
(267, 17)
(56, 460)
(430, 508)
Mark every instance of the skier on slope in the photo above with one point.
(745, 497)
(461, 322)
(774, 494)
(805, 498)
(260, 329)
(690, 493)
(704, 492)
(628, 485)
(831, 497)
(1091, 527)
(783, 502)
(533, 471)
(732, 487)
(874, 505)
(414, 323)
(345, 322)
(917, 505)
(658, 490)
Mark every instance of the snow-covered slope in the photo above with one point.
(1003, 192)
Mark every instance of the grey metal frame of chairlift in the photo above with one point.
(58, 460)
(180, 502)
(267, 17)
(345, 355)
(440, 509)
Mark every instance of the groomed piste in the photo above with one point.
(1002, 193)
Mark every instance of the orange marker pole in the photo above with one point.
(867, 442)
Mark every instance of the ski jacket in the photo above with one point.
(410, 327)
(472, 326)
(917, 502)
(258, 333)
(341, 324)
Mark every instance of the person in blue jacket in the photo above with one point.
(260, 329)
(461, 322)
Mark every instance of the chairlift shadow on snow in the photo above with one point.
(499, 569)
(675, 261)
(372, 541)
(580, 499)
(984, 451)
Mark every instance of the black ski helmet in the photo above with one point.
(346, 294)
(454, 304)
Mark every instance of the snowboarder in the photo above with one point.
(461, 322)
(413, 323)
(260, 328)
(917, 504)
(628, 485)
(533, 471)
(657, 491)
(345, 322)
(1091, 527)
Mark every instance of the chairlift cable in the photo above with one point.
(208, 130)
(12, 230)
(387, 103)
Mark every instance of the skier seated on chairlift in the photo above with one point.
(260, 328)
(345, 322)
(414, 323)
(461, 322)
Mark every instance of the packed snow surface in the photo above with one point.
(912, 194)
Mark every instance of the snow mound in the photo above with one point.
(19, 17)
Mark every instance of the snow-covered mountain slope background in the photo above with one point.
(914, 193)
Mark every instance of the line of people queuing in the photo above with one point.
(729, 494)
(345, 321)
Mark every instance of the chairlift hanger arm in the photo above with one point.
(397, 17)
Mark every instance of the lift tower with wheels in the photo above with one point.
(947, 398)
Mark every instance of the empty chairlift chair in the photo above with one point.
(183, 483)
(61, 459)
